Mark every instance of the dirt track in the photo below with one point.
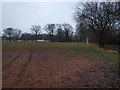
(54, 68)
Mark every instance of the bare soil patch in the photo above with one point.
(55, 68)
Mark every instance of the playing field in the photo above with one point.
(47, 64)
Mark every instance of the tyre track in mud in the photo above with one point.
(13, 60)
(11, 69)
(24, 68)
(26, 64)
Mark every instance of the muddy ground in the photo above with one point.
(53, 68)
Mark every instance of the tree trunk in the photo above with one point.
(10, 38)
(51, 38)
(36, 37)
(101, 40)
(66, 36)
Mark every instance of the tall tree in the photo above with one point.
(98, 17)
(60, 32)
(36, 30)
(17, 33)
(9, 33)
(50, 29)
(81, 31)
(67, 30)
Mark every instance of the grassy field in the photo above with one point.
(83, 49)
(92, 52)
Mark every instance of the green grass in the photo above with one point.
(93, 53)
(83, 49)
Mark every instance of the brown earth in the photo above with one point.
(54, 68)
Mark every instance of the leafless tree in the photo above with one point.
(9, 33)
(36, 29)
(50, 29)
(59, 32)
(68, 29)
(17, 33)
(98, 16)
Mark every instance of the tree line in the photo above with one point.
(55, 32)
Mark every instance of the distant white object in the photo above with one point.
(43, 40)
(40, 40)
(87, 40)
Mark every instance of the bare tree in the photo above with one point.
(81, 31)
(59, 32)
(36, 30)
(9, 33)
(50, 28)
(98, 17)
(67, 30)
(16, 34)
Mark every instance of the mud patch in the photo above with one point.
(56, 68)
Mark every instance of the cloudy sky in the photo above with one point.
(23, 15)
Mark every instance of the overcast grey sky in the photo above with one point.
(23, 15)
